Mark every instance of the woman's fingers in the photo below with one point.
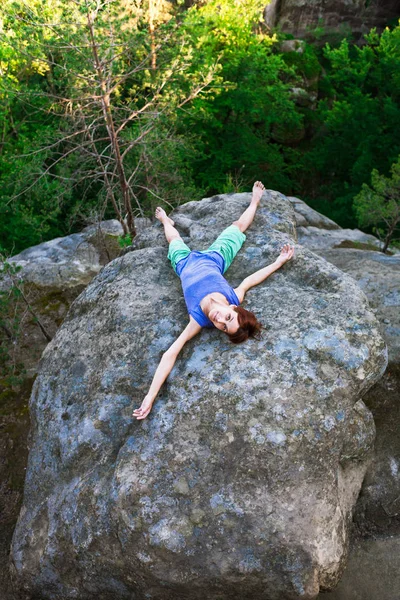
(141, 412)
(139, 418)
(287, 251)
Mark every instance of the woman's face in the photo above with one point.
(224, 317)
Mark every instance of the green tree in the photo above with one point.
(110, 107)
(25, 122)
(358, 118)
(379, 205)
(112, 113)
(246, 127)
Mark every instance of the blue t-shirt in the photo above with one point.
(201, 274)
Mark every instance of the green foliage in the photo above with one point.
(322, 33)
(11, 371)
(237, 124)
(306, 65)
(28, 214)
(212, 104)
(166, 177)
(359, 120)
(94, 77)
(379, 205)
(124, 240)
(234, 183)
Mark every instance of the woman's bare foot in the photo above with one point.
(162, 216)
(258, 190)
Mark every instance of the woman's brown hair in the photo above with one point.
(249, 326)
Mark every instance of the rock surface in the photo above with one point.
(378, 509)
(373, 560)
(377, 512)
(72, 260)
(301, 17)
(308, 217)
(319, 233)
(372, 573)
(378, 275)
(54, 274)
(241, 482)
(320, 240)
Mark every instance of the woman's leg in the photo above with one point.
(229, 242)
(247, 217)
(170, 232)
(177, 249)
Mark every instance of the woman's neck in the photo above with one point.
(211, 299)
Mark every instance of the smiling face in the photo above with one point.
(224, 317)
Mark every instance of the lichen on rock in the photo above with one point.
(241, 482)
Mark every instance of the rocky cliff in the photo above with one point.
(302, 17)
(242, 481)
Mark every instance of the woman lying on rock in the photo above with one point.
(210, 300)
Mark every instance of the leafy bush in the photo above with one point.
(379, 205)
(124, 240)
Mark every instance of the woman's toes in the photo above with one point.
(258, 190)
(160, 213)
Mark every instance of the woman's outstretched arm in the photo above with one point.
(165, 367)
(259, 276)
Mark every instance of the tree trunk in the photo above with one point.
(108, 118)
(389, 234)
(152, 10)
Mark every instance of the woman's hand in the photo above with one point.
(285, 255)
(145, 408)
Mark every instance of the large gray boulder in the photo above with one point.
(377, 512)
(319, 233)
(320, 239)
(373, 559)
(373, 567)
(310, 218)
(378, 275)
(70, 261)
(241, 482)
(52, 275)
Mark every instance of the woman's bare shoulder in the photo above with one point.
(240, 293)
